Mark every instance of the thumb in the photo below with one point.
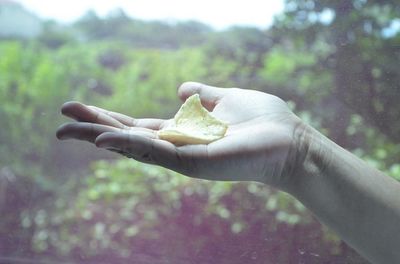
(209, 95)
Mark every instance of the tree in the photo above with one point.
(363, 47)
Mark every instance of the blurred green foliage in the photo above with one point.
(335, 63)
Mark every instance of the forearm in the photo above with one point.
(355, 200)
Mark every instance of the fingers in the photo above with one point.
(148, 150)
(93, 114)
(83, 131)
(151, 123)
(209, 95)
(139, 147)
(83, 113)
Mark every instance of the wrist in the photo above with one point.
(308, 157)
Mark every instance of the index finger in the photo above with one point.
(83, 113)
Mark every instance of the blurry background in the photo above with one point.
(335, 62)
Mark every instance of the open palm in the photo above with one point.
(255, 147)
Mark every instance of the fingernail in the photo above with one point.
(99, 145)
(60, 136)
(102, 144)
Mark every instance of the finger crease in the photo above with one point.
(126, 143)
(149, 157)
(96, 119)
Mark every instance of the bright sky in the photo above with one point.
(217, 13)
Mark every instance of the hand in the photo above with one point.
(256, 146)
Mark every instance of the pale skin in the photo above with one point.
(267, 143)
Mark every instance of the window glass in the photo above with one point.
(334, 62)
